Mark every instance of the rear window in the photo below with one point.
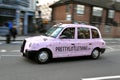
(95, 33)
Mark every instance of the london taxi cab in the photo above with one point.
(65, 40)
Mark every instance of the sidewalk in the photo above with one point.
(18, 38)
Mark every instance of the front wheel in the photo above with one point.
(42, 57)
(95, 54)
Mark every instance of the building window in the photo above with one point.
(96, 16)
(97, 11)
(110, 18)
(68, 8)
(7, 12)
(68, 17)
(24, 3)
(111, 14)
(80, 9)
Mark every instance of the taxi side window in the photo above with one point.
(95, 33)
(68, 33)
(83, 33)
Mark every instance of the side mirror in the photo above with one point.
(63, 37)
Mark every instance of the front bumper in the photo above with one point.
(25, 52)
(30, 53)
(23, 46)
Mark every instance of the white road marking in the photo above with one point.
(15, 51)
(3, 50)
(103, 78)
(17, 42)
(110, 48)
(9, 56)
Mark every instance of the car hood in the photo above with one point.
(40, 38)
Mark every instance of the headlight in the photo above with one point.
(30, 44)
(33, 45)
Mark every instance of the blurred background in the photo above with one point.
(37, 16)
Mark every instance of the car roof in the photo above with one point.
(77, 25)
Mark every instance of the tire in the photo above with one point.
(23, 55)
(42, 57)
(95, 54)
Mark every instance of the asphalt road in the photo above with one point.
(15, 67)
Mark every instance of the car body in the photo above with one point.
(65, 40)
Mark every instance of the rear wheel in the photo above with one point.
(95, 54)
(23, 54)
(42, 57)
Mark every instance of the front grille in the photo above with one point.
(22, 47)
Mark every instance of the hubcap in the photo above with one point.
(43, 56)
(95, 54)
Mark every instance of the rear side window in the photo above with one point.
(83, 33)
(95, 33)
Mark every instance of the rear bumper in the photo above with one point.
(102, 50)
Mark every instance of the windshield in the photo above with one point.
(53, 31)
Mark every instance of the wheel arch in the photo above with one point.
(98, 48)
(48, 50)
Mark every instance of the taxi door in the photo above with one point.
(83, 44)
(65, 43)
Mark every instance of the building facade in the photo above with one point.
(104, 14)
(19, 12)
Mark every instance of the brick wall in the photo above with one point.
(59, 16)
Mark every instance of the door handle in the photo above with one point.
(72, 44)
(90, 43)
